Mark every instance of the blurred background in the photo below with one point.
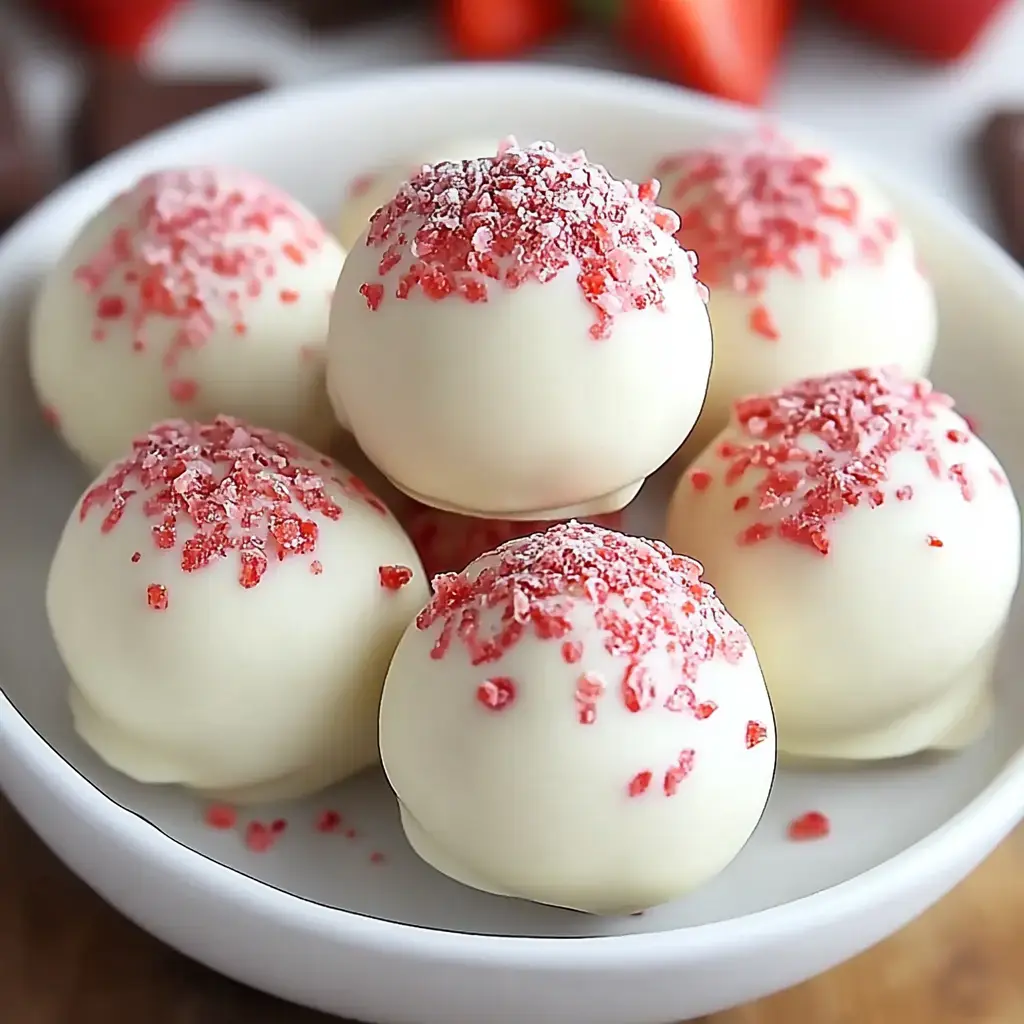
(914, 83)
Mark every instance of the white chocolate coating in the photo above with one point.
(572, 794)
(254, 691)
(377, 188)
(866, 305)
(509, 407)
(152, 313)
(884, 645)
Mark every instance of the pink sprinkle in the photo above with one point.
(394, 577)
(639, 783)
(328, 821)
(183, 389)
(809, 826)
(221, 816)
(497, 693)
(460, 228)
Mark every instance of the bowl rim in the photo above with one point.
(963, 838)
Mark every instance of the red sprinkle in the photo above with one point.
(862, 418)
(679, 771)
(394, 577)
(221, 816)
(156, 597)
(458, 228)
(328, 821)
(756, 733)
(639, 783)
(497, 693)
(242, 490)
(194, 247)
(259, 838)
(644, 599)
(755, 203)
(812, 825)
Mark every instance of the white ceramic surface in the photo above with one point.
(317, 920)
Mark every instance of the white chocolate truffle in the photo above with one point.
(369, 192)
(519, 337)
(870, 544)
(226, 602)
(577, 720)
(196, 293)
(809, 269)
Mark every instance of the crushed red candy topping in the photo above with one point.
(642, 598)
(394, 577)
(193, 247)
(756, 203)
(820, 447)
(448, 542)
(221, 816)
(812, 825)
(497, 693)
(233, 488)
(756, 734)
(459, 228)
(328, 821)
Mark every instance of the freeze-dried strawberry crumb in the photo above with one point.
(639, 783)
(497, 693)
(821, 447)
(812, 825)
(328, 821)
(238, 489)
(755, 203)
(461, 228)
(756, 733)
(193, 248)
(221, 816)
(641, 598)
(394, 577)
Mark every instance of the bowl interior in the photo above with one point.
(312, 142)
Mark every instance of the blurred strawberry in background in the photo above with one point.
(729, 48)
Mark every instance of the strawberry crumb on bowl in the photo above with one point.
(866, 500)
(530, 266)
(237, 558)
(603, 664)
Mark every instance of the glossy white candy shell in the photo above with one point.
(872, 650)
(532, 803)
(511, 405)
(315, 921)
(105, 393)
(259, 693)
(381, 185)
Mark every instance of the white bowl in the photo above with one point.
(318, 920)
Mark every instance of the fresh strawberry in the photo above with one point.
(497, 29)
(725, 47)
(117, 27)
(941, 30)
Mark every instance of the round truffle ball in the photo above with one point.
(226, 602)
(519, 337)
(810, 270)
(196, 293)
(369, 192)
(577, 720)
(870, 544)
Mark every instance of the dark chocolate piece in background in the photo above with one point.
(122, 103)
(1002, 162)
(24, 176)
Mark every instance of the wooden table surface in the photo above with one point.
(67, 958)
